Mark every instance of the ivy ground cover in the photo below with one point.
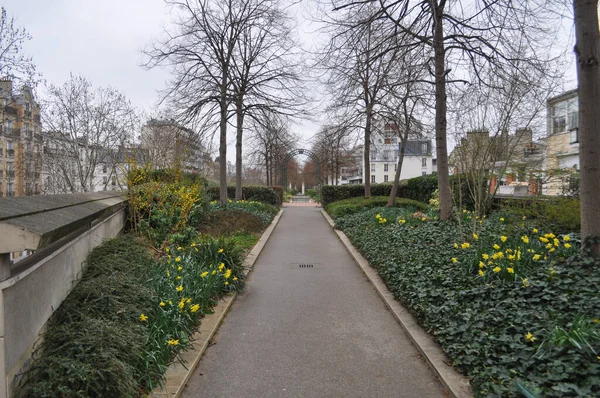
(514, 306)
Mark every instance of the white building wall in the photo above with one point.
(412, 166)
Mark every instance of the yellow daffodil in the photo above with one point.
(220, 250)
(481, 264)
(402, 221)
(454, 260)
(510, 270)
(556, 242)
(226, 283)
(465, 245)
(543, 239)
(525, 283)
(481, 273)
(503, 238)
(221, 266)
(501, 219)
(193, 245)
(525, 239)
(179, 268)
(177, 259)
(179, 247)
(195, 308)
(162, 304)
(475, 236)
(424, 218)
(567, 245)
(496, 247)
(497, 269)
(204, 274)
(214, 272)
(456, 245)
(227, 274)
(511, 257)
(464, 210)
(181, 304)
(549, 246)
(535, 231)
(530, 337)
(552, 250)
(500, 255)
(566, 238)
(178, 277)
(143, 318)
(524, 218)
(173, 342)
(179, 288)
(167, 249)
(235, 278)
(485, 256)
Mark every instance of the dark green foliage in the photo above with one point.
(250, 193)
(351, 206)
(561, 214)
(93, 343)
(482, 327)
(278, 190)
(314, 194)
(96, 344)
(418, 188)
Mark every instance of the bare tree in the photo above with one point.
(270, 141)
(200, 52)
(87, 128)
(265, 72)
(359, 60)
(13, 63)
(462, 37)
(587, 51)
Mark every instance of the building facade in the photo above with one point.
(170, 145)
(561, 163)
(385, 150)
(20, 142)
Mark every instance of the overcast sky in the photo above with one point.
(102, 39)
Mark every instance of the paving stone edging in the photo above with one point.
(177, 375)
(456, 384)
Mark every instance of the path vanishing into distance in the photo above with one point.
(302, 331)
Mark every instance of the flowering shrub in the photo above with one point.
(492, 327)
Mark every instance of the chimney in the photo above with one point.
(5, 88)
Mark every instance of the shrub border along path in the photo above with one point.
(455, 383)
(177, 374)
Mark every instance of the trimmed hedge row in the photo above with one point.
(355, 205)
(269, 195)
(419, 188)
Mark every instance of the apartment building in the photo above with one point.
(561, 162)
(169, 144)
(20, 142)
(385, 150)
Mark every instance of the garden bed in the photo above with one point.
(523, 319)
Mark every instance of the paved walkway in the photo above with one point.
(310, 332)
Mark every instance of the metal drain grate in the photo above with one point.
(306, 265)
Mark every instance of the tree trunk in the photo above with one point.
(587, 51)
(367, 153)
(440, 116)
(238, 149)
(403, 141)
(223, 142)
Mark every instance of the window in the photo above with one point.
(424, 147)
(27, 107)
(104, 168)
(424, 162)
(372, 167)
(574, 136)
(388, 141)
(559, 124)
(104, 180)
(372, 179)
(385, 167)
(395, 166)
(423, 173)
(385, 178)
(373, 155)
(386, 155)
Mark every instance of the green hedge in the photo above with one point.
(354, 205)
(256, 193)
(418, 188)
(561, 214)
(164, 175)
(279, 191)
